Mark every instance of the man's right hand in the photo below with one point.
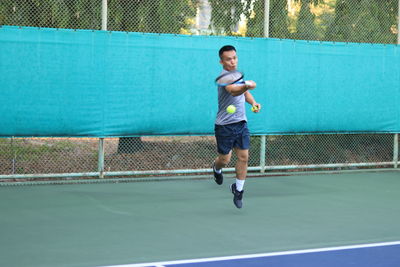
(250, 85)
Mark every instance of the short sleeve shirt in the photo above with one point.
(225, 99)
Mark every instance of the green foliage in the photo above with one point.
(82, 14)
(328, 20)
(373, 21)
(255, 22)
(164, 16)
(350, 20)
(279, 21)
(225, 15)
(306, 28)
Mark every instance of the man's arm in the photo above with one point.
(238, 89)
(250, 99)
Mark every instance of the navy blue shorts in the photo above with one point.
(235, 135)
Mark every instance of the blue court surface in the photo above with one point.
(366, 255)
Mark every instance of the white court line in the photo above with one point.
(250, 256)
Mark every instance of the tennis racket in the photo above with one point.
(230, 77)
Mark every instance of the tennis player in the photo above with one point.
(231, 130)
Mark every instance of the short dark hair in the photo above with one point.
(226, 48)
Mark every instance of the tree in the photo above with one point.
(255, 24)
(279, 21)
(162, 16)
(364, 21)
(225, 16)
(78, 14)
(306, 29)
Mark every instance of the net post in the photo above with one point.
(266, 18)
(396, 150)
(262, 153)
(104, 12)
(101, 158)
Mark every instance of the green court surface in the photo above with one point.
(123, 223)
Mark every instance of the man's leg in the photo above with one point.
(220, 162)
(241, 173)
(241, 164)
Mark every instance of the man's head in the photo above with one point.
(228, 58)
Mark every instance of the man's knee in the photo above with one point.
(242, 155)
(224, 159)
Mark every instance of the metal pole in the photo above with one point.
(101, 158)
(262, 153)
(266, 18)
(396, 150)
(104, 12)
(14, 159)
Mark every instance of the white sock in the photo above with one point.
(239, 185)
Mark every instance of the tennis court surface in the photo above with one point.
(347, 219)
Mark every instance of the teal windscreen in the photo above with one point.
(58, 82)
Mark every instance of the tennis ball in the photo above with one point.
(254, 108)
(231, 109)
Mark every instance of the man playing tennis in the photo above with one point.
(231, 130)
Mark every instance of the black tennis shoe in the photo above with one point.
(218, 177)
(237, 196)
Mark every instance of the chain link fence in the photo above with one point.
(79, 157)
(372, 21)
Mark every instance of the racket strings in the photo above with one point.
(230, 78)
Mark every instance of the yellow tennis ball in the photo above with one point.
(231, 109)
(254, 108)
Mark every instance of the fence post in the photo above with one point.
(262, 153)
(104, 12)
(14, 155)
(101, 158)
(266, 18)
(266, 35)
(396, 150)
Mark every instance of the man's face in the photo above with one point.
(229, 60)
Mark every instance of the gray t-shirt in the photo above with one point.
(225, 99)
